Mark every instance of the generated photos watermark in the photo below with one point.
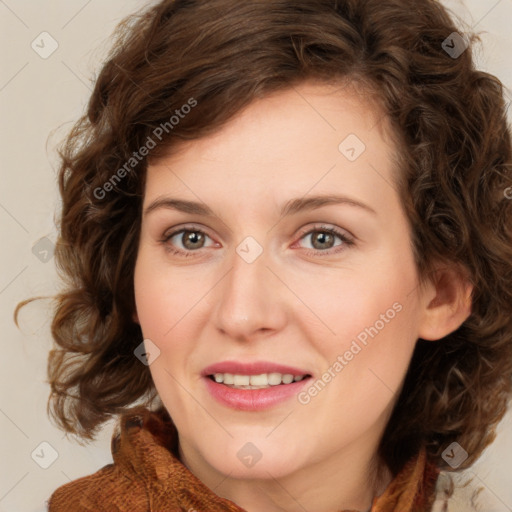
(139, 155)
(357, 345)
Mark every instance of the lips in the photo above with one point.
(253, 368)
(253, 386)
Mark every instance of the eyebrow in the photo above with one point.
(291, 207)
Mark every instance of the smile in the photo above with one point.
(261, 381)
(253, 386)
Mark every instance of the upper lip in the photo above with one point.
(253, 368)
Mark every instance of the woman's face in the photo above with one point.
(277, 247)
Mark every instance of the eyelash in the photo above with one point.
(347, 242)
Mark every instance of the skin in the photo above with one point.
(299, 303)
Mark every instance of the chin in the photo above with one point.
(253, 460)
(276, 467)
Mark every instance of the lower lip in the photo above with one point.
(253, 399)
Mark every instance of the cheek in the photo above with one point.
(162, 294)
(151, 301)
(372, 319)
(354, 303)
(365, 362)
(161, 301)
(168, 308)
(157, 309)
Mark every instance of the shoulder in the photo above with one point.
(456, 493)
(136, 453)
(108, 487)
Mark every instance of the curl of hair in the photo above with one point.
(456, 164)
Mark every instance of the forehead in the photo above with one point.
(313, 136)
(328, 106)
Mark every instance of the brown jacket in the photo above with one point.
(147, 476)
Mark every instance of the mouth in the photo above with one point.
(261, 381)
(253, 386)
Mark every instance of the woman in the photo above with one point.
(286, 235)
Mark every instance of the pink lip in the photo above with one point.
(252, 399)
(255, 368)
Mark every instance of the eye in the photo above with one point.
(322, 239)
(191, 239)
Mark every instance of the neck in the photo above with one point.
(343, 481)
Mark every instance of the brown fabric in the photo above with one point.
(147, 476)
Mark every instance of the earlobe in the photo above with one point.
(447, 303)
(135, 317)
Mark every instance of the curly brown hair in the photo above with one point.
(456, 164)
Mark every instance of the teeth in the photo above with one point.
(259, 380)
(287, 378)
(263, 380)
(241, 380)
(273, 379)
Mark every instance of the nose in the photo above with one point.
(250, 301)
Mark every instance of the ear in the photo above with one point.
(135, 317)
(446, 302)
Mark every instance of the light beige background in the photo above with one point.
(39, 100)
